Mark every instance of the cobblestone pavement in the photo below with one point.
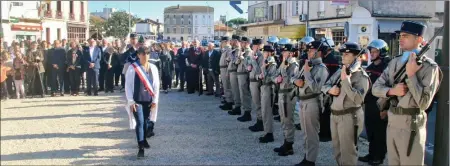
(191, 130)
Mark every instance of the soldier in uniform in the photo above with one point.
(267, 77)
(348, 87)
(225, 76)
(375, 121)
(332, 63)
(232, 70)
(243, 80)
(273, 40)
(310, 81)
(286, 100)
(406, 130)
(254, 67)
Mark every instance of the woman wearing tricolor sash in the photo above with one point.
(142, 93)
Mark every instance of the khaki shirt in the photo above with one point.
(256, 64)
(421, 88)
(226, 53)
(287, 73)
(270, 73)
(235, 53)
(242, 61)
(352, 91)
(314, 79)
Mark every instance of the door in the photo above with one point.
(47, 35)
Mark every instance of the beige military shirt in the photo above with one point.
(287, 72)
(269, 72)
(352, 91)
(421, 88)
(314, 79)
(242, 60)
(235, 53)
(226, 54)
(256, 64)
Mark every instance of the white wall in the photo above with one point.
(204, 23)
(54, 25)
(143, 28)
(29, 9)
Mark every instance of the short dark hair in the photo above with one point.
(143, 50)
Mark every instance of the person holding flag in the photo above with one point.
(142, 94)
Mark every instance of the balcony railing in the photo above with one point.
(72, 17)
(48, 14)
(59, 15)
(82, 18)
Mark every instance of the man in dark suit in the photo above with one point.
(211, 69)
(181, 60)
(57, 61)
(103, 65)
(194, 61)
(92, 57)
(129, 56)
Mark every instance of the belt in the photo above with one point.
(267, 84)
(309, 96)
(346, 111)
(288, 90)
(404, 111)
(223, 66)
(232, 70)
(242, 73)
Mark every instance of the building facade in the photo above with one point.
(105, 14)
(188, 22)
(150, 29)
(20, 21)
(64, 20)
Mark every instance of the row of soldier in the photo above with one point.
(331, 96)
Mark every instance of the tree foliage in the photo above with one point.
(236, 21)
(117, 24)
(98, 23)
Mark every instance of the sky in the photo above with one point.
(155, 9)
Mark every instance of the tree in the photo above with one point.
(236, 21)
(98, 24)
(117, 24)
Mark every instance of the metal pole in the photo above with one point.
(441, 135)
(129, 16)
(307, 18)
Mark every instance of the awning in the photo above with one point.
(292, 31)
(16, 27)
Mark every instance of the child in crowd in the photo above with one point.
(19, 72)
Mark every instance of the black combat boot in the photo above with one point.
(257, 127)
(266, 138)
(226, 106)
(246, 117)
(306, 163)
(140, 154)
(285, 149)
(365, 158)
(235, 111)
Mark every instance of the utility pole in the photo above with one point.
(307, 18)
(441, 134)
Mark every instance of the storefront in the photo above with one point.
(263, 29)
(293, 32)
(23, 31)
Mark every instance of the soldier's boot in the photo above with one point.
(235, 111)
(257, 127)
(298, 126)
(285, 149)
(226, 106)
(266, 138)
(246, 117)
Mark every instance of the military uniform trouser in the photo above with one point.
(225, 76)
(297, 112)
(244, 92)
(375, 130)
(286, 109)
(256, 98)
(235, 89)
(398, 133)
(266, 108)
(309, 119)
(342, 134)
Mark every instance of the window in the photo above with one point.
(168, 30)
(189, 22)
(295, 10)
(322, 6)
(58, 6)
(181, 16)
(182, 30)
(279, 12)
(82, 8)
(196, 30)
(189, 30)
(58, 33)
(174, 30)
(338, 36)
(209, 30)
(174, 21)
(17, 3)
(71, 7)
(182, 21)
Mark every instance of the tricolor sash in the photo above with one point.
(143, 77)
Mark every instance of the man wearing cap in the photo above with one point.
(406, 132)
(375, 120)
(309, 82)
(129, 56)
(242, 76)
(286, 102)
(254, 67)
(224, 75)
(232, 70)
(348, 87)
(267, 77)
(332, 63)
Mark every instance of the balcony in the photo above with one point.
(48, 14)
(72, 17)
(82, 18)
(340, 12)
(321, 14)
(59, 15)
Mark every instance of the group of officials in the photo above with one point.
(335, 100)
